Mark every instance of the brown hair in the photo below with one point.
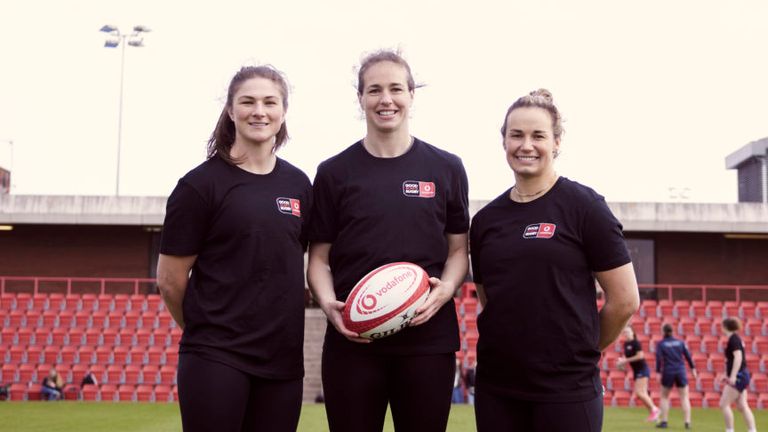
(223, 136)
(667, 329)
(384, 55)
(541, 98)
(732, 324)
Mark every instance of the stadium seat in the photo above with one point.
(138, 302)
(652, 326)
(682, 308)
(163, 393)
(7, 302)
(88, 302)
(34, 392)
(760, 345)
(131, 319)
(18, 392)
(8, 335)
(698, 309)
(155, 355)
(26, 373)
(78, 373)
(175, 337)
(648, 308)
(132, 374)
(154, 302)
(709, 344)
(753, 361)
(23, 301)
(126, 392)
(99, 320)
(104, 355)
(75, 336)
(3, 351)
(168, 375)
(86, 354)
(71, 302)
(90, 392)
(149, 320)
(469, 324)
(83, 318)
(119, 303)
(711, 400)
(164, 320)
(621, 398)
(136, 355)
(759, 383)
(114, 374)
(108, 392)
(120, 355)
(24, 336)
(468, 306)
(665, 309)
(716, 363)
(42, 370)
(66, 319)
(731, 309)
(143, 337)
(16, 318)
(144, 393)
(696, 398)
(17, 354)
(8, 373)
(761, 309)
(686, 326)
(109, 337)
(609, 360)
(56, 302)
(470, 341)
(126, 336)
(33, 353)
(172, 356)
(49, 319)
(67, 354)
(747, 310)
(39, 302)
(32, 318)
(715, 309)
(150, 374)
(616, 380)
(92, 337)
(706, 382)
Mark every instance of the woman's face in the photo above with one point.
(530, 142)
(257, 111)
(386, 99)
(627, 332)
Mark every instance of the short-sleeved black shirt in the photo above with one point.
(539, 330)
(632, 347)
(376, 211)
(734, 344)
(244, 304)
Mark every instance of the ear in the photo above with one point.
(557, 145)
(231, 115)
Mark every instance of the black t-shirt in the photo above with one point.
(244, 304)
(734, 344)
(376, 211)
(539, 330)
(632, 347)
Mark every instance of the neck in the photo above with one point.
(530, 188)
(255, 158)
(388, 145)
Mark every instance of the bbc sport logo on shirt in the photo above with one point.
(419, 189)
(539, 230)
(289, 206)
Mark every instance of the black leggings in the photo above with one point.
(494, 413)
(218, 398)
(357, 387)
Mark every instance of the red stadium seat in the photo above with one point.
(78, 373)
(648, 308)
(686, 326)
(172, 356)
(711, 399)
(706, 382)
(120, 355)
(72, 302)
(155, 355)
(665, 309)
(760, 345)
(49, 319)
(8, 335)
(468, 306)
(131, 319)
(17, 354)
(83, 318)
(16, 318)
(32, 318)
(709, 344)
(24, 336)
(175, 337)
(137, 355)
(34, 392)
(39, 301)
(114, 374)
(696, 398)
(33, 353)
(682, 308)
(715, 309)
(154, 302)
(126, 392)
(164, 319)
(652, 326)
(23, 301)
(149, 320)
(90, 392)
(18, 392)
(143, 337)
(92, 337)
(114, 320)
(144, 393)
(761, 309)
(56, 302)
(753, 361)
(26, 373)
(150, 374)
(7, 302)
(138, 302)
(126, 336)
(108, 392)
(104, 355)
(168, 375)
(86, 354)
(621, 398)
(731, 309)
(470, 341)
(163, 393)
(66, 319)
(759, 383)
(698, 309)
(75, 336)
(8, 373)
(616, 380)
(120, 303)
(99, 320)
(716, 363)
(747, 310)
(88, 302)
(109, 337)
(67, 354)
(132, 374)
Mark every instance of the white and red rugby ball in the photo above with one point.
(386, 299)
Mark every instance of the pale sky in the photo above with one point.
(655, 94)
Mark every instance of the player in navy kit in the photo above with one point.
(231, 268)
(536, 250)
(389, 197)
(635, 357)
(669, 363)
(736, 379)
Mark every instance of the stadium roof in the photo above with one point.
(754, 149)
(150, 211)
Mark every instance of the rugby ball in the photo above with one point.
(385, 300)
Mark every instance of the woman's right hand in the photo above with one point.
(333, 310)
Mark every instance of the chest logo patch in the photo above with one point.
(540, 230)
(289, 206)
(419, 189)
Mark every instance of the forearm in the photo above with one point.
(320, 282)
(622, 299)
(613, 319)
(455, 269)
(172, 292)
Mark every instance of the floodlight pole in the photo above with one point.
(115, 32)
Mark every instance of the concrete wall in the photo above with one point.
(314, 333)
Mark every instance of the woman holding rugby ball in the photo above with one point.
(635, 357)
(736, 378)
(536, 250)
(231, 267)
(389, 197)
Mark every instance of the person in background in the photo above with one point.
(458, 390)
(635, 357)
(736, 379)
(536, 251)
(231, 267)
(670, 353)
(469, 382)
(53, 386)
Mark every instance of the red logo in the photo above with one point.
(289, 206)
(540, 230)
(420, 189)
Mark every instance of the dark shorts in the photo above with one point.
(643, 372)
(742, 380)
(672, 379)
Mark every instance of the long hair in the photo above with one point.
(223, 136)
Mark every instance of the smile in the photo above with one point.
(527, 158)
(386, 113)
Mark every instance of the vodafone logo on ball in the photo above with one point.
(418, 189)
(539, 230)
(289, 206)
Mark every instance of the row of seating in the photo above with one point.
(76, 302)
(697, 308)
(706, 381)
(113, 374)
(89, 355)
(711, 399)
(91, 319)
(103, 392)
(94, 337)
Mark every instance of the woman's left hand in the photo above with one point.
(439, 295)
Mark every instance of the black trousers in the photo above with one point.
(215, 397)
(494, 413)
(359, 385)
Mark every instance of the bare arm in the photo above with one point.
(638, 356)
(172, 279)
(737, 359)
(444, 288)
(622, 299)
(321, 284)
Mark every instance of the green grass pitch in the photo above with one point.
(156, 417)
